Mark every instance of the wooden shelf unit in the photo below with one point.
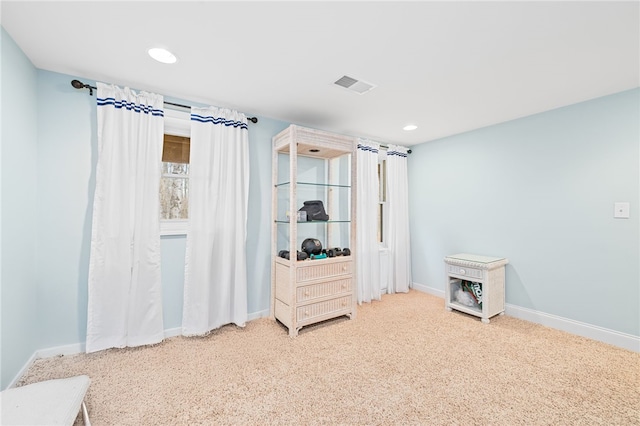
(309, 291)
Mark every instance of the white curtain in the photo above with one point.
(368, 251)
(125, 292)
(215, 287)
(398, 239)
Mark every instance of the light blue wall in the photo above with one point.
(67, 155)
(49, 134)
(68, 150)
(259, 218)
(540, 191)
(18, 285)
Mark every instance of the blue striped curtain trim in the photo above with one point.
(367, 148)
(218, 120)
(398, 153)
(130, 106)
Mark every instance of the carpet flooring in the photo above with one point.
(402, 361)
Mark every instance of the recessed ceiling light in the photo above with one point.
(162, 55)
(410, 127)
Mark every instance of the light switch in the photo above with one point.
(621, 210)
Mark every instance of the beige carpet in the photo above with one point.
(402, 361)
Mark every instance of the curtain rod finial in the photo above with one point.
(77, 84)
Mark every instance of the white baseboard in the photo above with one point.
(258, 315)
(47, 353)
(616, 338)
(73, 349)
(177, 331)
(77, 348)
(22, 371)
(429, 290)
(612, 337)
(172, 332)
(605, 335)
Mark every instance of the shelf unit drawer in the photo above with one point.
(323, 270)
(328, 307)
(316, 291)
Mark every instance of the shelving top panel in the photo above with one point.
(313, 143)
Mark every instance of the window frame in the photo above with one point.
(177, 123)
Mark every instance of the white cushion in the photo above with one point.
(53, 402)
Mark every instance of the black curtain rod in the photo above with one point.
(80, 85)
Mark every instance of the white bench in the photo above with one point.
(52, 402)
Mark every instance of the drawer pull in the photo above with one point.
(344, 268)
(344, 285)
(462, 271)
(344, 303)
(306, 293)
(306, 313)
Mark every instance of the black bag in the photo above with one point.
(315, 210)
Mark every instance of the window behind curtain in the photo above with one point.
(382, 196)
(174, 183)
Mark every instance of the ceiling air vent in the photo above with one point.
(354, 85)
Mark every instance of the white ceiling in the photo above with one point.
(447, 67)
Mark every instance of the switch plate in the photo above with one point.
(621, 210)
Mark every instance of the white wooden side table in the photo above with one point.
(483, 276)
